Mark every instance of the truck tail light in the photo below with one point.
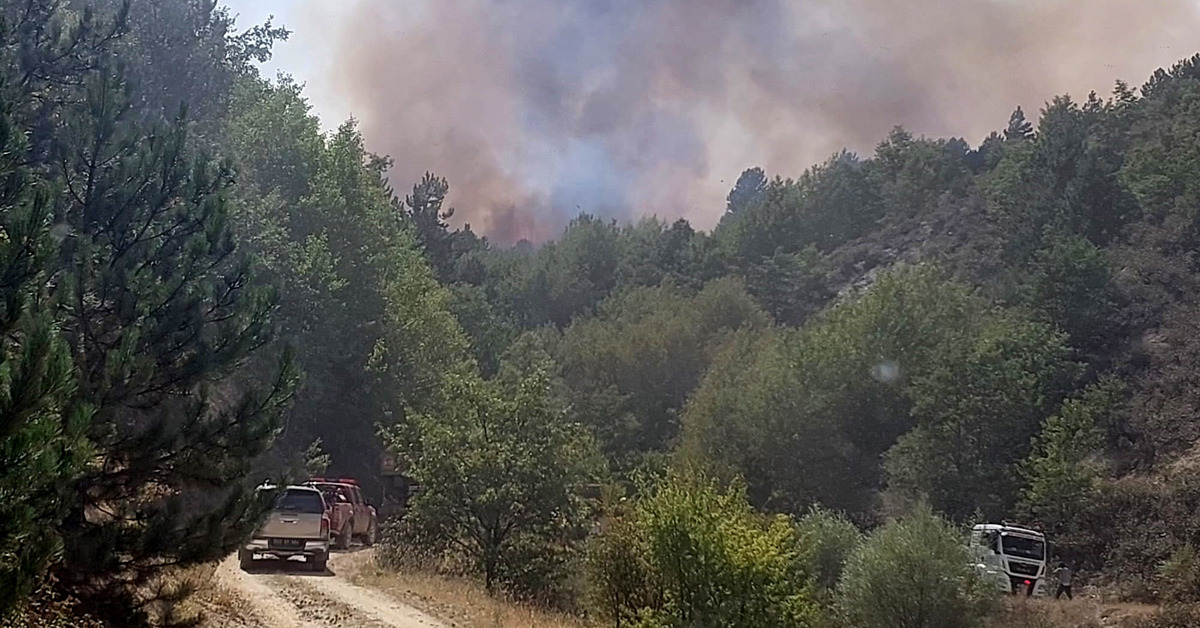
(324, 526)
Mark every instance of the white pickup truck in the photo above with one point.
(298, 525)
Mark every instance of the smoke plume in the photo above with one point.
(536, 110)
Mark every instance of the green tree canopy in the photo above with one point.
(914, 573)
(704, 558)
(498, 465)
(43, 426)
(630, 368)
(806, 415)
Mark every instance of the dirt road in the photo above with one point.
(287, 596)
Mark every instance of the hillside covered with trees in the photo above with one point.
(199, 283)
(1000, 331)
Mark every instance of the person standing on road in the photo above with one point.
(1064, 581)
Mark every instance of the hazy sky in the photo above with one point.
(538, 109)
(308, 55)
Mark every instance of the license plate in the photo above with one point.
(285, 543)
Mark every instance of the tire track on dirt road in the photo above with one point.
(280, 596)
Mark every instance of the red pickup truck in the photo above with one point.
(350, 516)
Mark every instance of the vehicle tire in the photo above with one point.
(245, 559)
(343, 537)
(319, 562)
(372, 530)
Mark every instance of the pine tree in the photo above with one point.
(164, 318)
(424, 209)
(42, 443)
(1019, 128)
(52, 48)
(749, 188)
(989, 153)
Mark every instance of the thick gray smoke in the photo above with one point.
(538, 109)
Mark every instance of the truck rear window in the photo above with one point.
(300, 501)
(330, 491)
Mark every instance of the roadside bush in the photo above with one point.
(402, 549)
(694, 554)
(913, 573)
(825, 540)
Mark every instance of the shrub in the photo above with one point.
(542, 572)
(1139, 522)
(1173, 616)
(913, 573)
(1062, 490)
(49, 608)
(1179, 575)
(620, 578)
(402, 549)
(708, 559)
(826, 540)
(1022, 612)
(499, 465)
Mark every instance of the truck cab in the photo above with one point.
(1012, 557)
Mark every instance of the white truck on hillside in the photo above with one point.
(1012, 557)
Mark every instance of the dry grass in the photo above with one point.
(221, 607)
(463, 603)
(48, 609)
(209, 601)
(175, 597)
(459, 603)
(1083, 612)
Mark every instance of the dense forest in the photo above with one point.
(999, 332)
(200, 286)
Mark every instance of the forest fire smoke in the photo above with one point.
(536, 110)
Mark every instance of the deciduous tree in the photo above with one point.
(499, 466)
